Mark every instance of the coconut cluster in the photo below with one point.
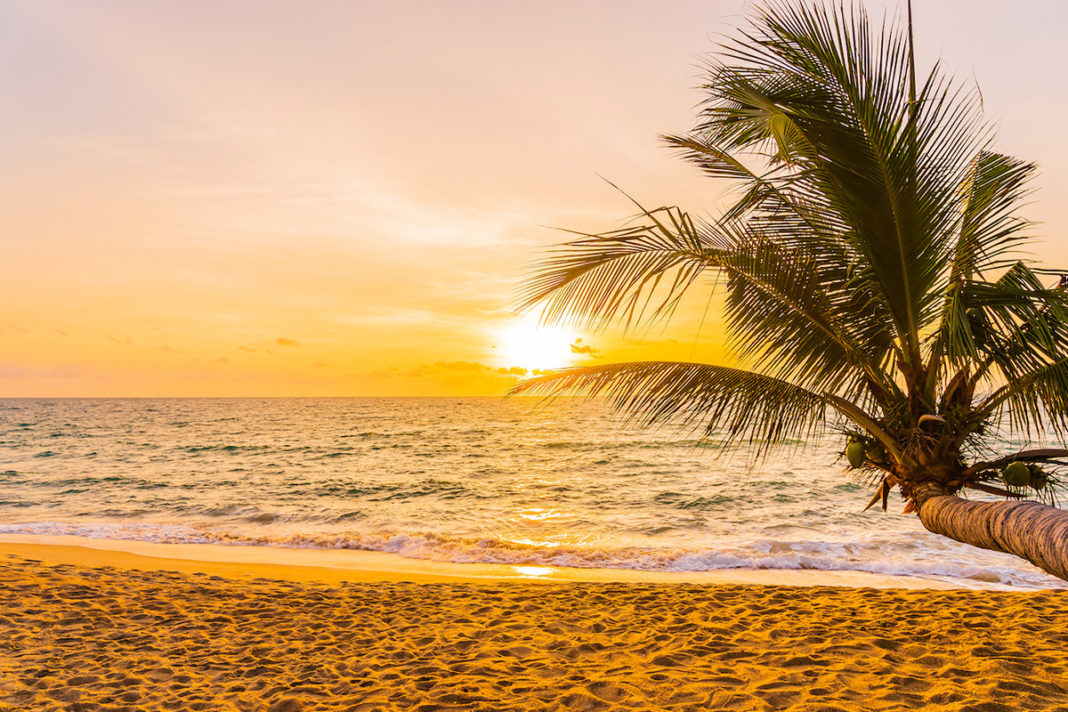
(1020, 474)
(860, 450)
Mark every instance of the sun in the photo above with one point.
(525, 344)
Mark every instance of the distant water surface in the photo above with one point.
(464, 480)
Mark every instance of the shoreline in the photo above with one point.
(335, 566)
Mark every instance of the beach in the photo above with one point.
(366, 356)
(422, 554)
(112, 632)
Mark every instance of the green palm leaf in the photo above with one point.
(810, 88)
(990, 226)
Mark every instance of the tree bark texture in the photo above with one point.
(1030, 530)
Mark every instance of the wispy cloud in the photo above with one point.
(14, 370)
(580, 348)
(440, 368)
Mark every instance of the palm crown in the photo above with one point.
(871, 262)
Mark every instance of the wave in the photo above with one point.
(813, 554)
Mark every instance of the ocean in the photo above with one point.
(518, 481)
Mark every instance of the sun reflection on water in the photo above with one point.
(537, 514)
(533, 571)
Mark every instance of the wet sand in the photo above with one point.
(340, 565)
(109, 638)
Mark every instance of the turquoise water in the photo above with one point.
(465, 480)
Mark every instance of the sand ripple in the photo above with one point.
(107, 639)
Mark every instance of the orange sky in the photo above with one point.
(338, 198)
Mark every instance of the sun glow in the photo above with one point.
(525, 344)
(533, 571)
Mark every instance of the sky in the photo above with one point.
(340, 198)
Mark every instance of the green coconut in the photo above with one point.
(874, 451)
(855, 453)
(1016, 474)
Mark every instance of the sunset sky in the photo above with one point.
(339, 198)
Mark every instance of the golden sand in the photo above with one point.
(79, 638)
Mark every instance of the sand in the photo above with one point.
(106, 638)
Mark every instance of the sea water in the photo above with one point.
(566, 483)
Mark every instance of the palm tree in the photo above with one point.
(872, 274)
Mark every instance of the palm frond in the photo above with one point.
(783, 313)
(725, 403)
(786, 309)
(769, 192)
(1016, 321)
(1026, 323)
(1034, 401)
(990, 230)
(601, 277)
(818, 90)
(990, 227)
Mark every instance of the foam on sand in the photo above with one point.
(340, 565)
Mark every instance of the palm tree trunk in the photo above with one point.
(1032, 531)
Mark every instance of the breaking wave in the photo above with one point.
(821, 555)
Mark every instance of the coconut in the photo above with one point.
(874, 451)
(855, 453)
(1016, 474)
(1039, 478)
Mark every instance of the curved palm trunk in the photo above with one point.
(1033, 531)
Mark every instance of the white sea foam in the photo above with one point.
(816, 555)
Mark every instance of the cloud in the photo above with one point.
(246, 348)
(320, 364)
(442, 368)
(283, 341)
(13, 370)
(579, 348)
